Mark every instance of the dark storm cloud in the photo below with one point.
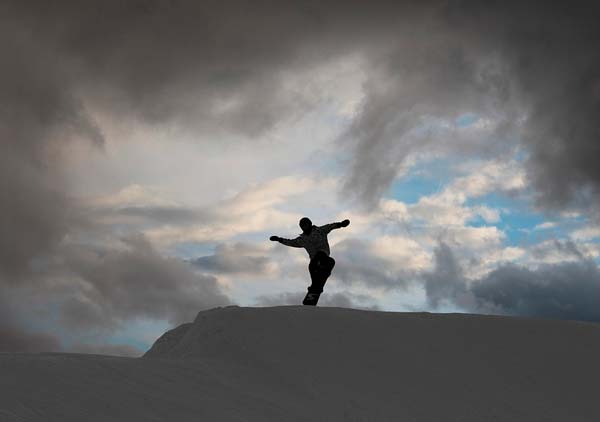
(36, 110)
(420, 78)
(14, 337)
(93, 290)
(566, 249)
(237, 258)
(222, 65)
(568, 290)
(446, 282)
(531, 65)
(119, 284)
(218, 64)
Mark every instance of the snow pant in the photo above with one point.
(320, 267)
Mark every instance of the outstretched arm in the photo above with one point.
(328, 227)
(294, 243)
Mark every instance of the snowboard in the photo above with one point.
(311, 299)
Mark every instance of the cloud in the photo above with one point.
(427, 64)
(150, 216)
(174, 63)
(115, 285)
(74, 300)
(67, 65)
(555, 251)
(257, 207)
(237, 258)
(545, 225)
(14, 338)
(565, 290)
(446, 281)
(491, 60)
(134, 196)
(17, 337)
(586, 233)
(230, 69)
(357, 263)
(448, 207)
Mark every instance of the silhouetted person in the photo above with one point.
(314, 240)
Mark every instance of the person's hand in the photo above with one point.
(345, 223)
(274, 238)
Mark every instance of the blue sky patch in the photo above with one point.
(423, 180)
(466, 119)
(518, 219)
(140, 333)
(192, 250)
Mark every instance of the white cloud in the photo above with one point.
(135, 195)
(552, 251)
(484, 178)
(251, 210)
(273, 206)
(399, 238)
(489, 215)
(545, 225)
(448, 206)
(586, 233)
(490, 259)
(402, 253)
(440, 210)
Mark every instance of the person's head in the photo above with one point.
(305, 224)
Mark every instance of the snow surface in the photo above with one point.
(299, 363)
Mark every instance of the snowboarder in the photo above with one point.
(314, 240)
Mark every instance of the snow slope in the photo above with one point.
(300, 363)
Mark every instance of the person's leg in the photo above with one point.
(329, 264)
(318, 268)
(313, 269)
(325, 266)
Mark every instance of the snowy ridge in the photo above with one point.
(297, 363)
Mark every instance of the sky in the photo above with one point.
(151, 148)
